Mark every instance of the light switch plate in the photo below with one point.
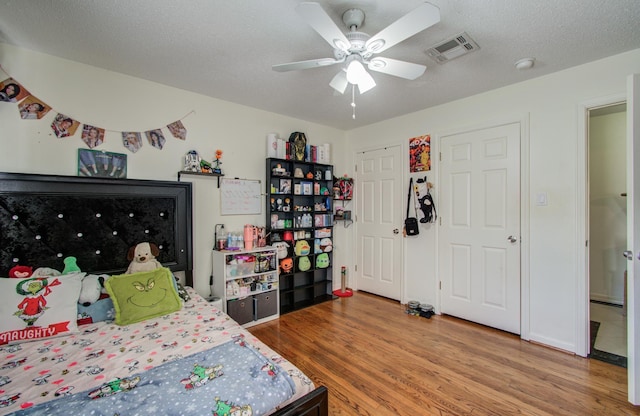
(541, 199)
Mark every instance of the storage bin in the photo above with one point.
(266, 304)
(246, 268)
(241, 310)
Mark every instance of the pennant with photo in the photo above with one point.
(178, 130)
(64, 126)
(32, 108)
(12, 92)
(132, 140)
(155, 138)
(92, 136)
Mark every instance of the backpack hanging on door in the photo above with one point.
(411, 223)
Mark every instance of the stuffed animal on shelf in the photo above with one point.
(322, 261)
(302, 248)
(143, 258)
(304, 263)
(286, 265)
(282, 248)
(20, 272)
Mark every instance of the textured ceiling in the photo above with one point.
(225, 48)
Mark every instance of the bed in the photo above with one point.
(187, 357)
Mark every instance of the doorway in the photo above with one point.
(607, 234)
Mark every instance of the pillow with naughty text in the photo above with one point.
(38, 307)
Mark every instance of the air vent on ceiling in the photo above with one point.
(452, 48)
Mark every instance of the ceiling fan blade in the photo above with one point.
(312, 63)
(339, 82)
(319, 20)
(402, 69)
(408, 25)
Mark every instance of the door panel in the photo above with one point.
(379, 194)
(633, 236)
(480, 231)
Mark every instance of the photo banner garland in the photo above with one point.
(32, 108)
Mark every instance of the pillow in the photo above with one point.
(101, 310)
(39, 307)
(143, 295)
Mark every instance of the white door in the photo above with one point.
(379, 221)
(479, 244)
(633, 237)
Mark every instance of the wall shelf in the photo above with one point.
(189, 173)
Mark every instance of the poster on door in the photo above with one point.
(420, 153)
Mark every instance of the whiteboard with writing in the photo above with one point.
(240, 197)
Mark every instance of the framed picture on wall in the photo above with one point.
(101, 164)
(420, 154)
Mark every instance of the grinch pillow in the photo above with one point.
(143, 295)
(40, 307)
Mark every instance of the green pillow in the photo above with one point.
(143, 295)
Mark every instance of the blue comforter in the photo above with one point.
(230, 379)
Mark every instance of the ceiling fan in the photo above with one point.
(357, 49)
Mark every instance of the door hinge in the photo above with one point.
(440, 285)
(586, 243)
(440, 219)
(355, 268)
(440, 156)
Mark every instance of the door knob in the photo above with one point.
(396, 231)
(628, 254)
(512, 239)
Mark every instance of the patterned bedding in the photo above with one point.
(195, 361)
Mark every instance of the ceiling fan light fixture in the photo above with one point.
(366, 84)
(339, 82)
(355, 72)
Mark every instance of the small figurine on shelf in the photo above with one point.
(192, 161)
(205, 167)
(218, 162)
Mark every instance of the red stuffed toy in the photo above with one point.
(20, 272)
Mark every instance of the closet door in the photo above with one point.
(479, 245)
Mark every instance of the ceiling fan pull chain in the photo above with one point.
(353, 100)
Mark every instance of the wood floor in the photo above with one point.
(377, 360)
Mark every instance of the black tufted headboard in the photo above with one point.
(45, 219)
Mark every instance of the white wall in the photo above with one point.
(550, 105)
(607, 207)
(118, 103)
